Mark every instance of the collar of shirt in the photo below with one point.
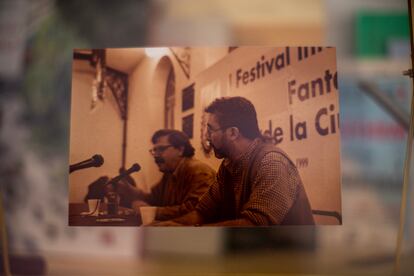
(180, 165)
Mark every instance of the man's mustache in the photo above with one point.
(159, 160)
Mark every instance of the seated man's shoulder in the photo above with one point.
(273, 154)
(198, 166)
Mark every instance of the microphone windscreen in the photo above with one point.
(98, 160)
(135, 167)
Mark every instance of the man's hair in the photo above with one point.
(177, 139)
(236, 112)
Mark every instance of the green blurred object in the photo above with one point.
(374, 30)
(46, 84)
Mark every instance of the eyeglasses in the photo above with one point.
(210, 130)
(159, 149)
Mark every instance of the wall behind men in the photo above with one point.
(97, 131)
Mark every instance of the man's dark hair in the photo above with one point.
(236, 112)
(177, 139)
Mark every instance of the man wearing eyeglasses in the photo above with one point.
(184, 179)
(257, 183)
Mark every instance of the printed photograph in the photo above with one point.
(205, 136)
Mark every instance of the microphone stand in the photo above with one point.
(113, 195)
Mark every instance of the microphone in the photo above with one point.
(96, 161)
(134, 168)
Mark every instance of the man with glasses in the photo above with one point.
(257, 183)
(184, 179)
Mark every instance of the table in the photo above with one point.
(126, 217)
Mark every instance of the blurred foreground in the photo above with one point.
(37, 39)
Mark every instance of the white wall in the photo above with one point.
(92, 132)
(145, 115)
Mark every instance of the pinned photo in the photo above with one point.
(197, 136)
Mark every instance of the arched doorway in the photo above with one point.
(169, 100)
(164, 88)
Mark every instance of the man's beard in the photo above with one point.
(160, 163)
(220, 153)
